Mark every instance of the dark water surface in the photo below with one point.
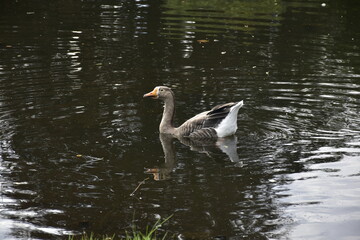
(76, 137)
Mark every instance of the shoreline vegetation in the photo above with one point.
(151, 233)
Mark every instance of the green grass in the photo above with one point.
(90, 237)
(150, 234)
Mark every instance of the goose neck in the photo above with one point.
(166, 125)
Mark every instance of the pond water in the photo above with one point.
(80, 149)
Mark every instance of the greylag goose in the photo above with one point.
(220, 121)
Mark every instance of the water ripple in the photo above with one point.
(75, 133)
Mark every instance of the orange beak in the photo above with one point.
(153, 94)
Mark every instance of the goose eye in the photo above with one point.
(161, 90)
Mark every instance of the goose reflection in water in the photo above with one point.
(209, 147)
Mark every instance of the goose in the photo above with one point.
(219, 122)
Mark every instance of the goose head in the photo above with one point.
(160, 92)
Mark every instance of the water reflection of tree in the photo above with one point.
(52, 64)
(60, 53)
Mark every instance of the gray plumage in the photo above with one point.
(207, 124)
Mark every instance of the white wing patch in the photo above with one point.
(228, 126)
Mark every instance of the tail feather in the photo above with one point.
(228, 126)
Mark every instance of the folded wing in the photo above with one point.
(203, 125)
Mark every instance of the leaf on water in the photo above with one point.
(78, 155)
(152, 170)
(202, 41)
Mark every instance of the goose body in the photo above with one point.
(220, 121)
